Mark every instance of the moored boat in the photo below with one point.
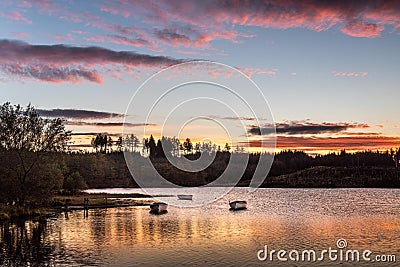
(238, 205)
(158, 207)
(185, 197)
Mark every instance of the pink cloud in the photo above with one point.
(120, 39)
(77, 32)
(51, 73)
(201, 23)
(198, 24)
(47, 6)
(58, 63)
(15, 15)
(64, 37)
(355, 18)
(21, 35)
(249, 72)
(350, 74)
(313, 143)
(362, 29)
(71, 17)
(115, 11)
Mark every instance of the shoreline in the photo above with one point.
(320, 177)
(60, 204)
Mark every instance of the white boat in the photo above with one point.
(238, 205)
(185, 197)
(158, 207)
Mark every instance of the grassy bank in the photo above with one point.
(8, 212)
(57, 203)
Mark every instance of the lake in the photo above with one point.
(292, 220)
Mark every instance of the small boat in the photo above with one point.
(185, 197)
(238, 205)
(158, 207)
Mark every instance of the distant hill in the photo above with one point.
(314, 177)
(326, 177)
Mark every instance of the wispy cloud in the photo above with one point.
(350, 74)
(369, 142)
(355, 18)
(249, 72)
(108, 124)
(50, 73)
(293, 128)
(94, 134)
(62, 63)
(78, 114)
(15, 15)
(330, 143)
(21, 35)
(197, 24)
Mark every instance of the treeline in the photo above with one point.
(69, 172)
(110, 170)
(103, 143)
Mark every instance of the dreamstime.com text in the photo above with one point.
(335, 254)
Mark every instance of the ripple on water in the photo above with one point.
(212, 235)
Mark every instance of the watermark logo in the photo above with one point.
(340, 253)
(341, 243)
(215, 101)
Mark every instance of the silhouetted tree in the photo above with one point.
(159, 150)
(167, 145)
(110, 143)
(188, 146)
(176, 145)
(119, 143)
(27, 136)
(145, 148)
(152, 146)
(227, 147)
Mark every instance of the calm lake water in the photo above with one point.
(287, 219)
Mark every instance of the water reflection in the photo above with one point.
(23, 243)
(211, 235)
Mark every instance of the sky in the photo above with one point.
(329, 70)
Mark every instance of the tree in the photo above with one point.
(145, 148)
(227, 147)
(167, 145)
(73, 183)
(110, 144)
(152, 146)
(26, 138)
(119, 143)
(176, 145)
(159, 149)
(100, 141)
(135, 142)
(103, 144)
(197, 147)
(187, 145)
(95, 143)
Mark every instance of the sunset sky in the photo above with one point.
(330, 70)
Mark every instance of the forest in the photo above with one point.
(35, 162)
